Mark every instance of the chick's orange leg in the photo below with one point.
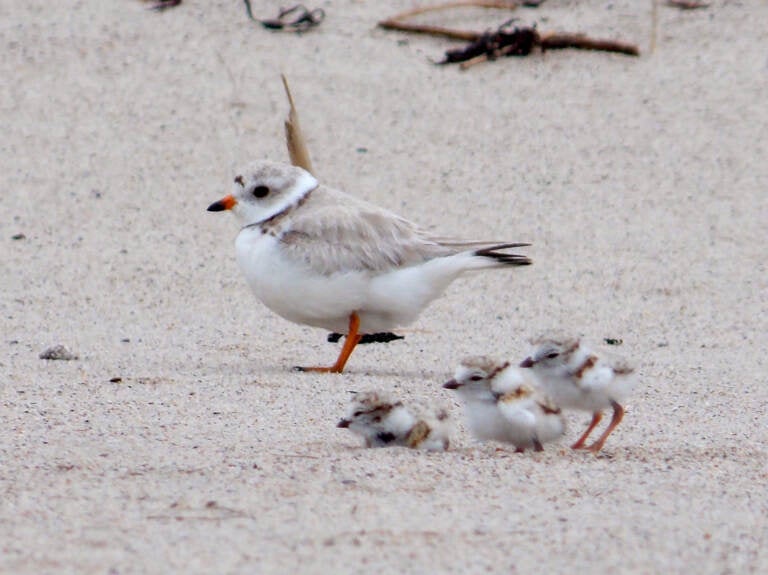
(596, 417)
(352, 339)
(618, 415)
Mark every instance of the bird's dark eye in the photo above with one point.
(552, 355)
(260, 191)
(357, 414)
(476, 378)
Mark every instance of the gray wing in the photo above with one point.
(335, 233)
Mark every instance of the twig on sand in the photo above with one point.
(161, 5)
(504, 41)
(397, 22)
(556, 41)
(687, 4)
(297, 18)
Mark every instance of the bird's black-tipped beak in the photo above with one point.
(452, 384)
(527, 362)
(344, 423)
(225, 203)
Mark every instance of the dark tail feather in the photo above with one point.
(495, 253)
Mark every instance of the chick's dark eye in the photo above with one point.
(476, 378)
(260, 191)
(552, 355)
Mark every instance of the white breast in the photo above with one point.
(485, 421)
(383, 302)
(291, 290)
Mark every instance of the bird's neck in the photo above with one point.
(294, 200)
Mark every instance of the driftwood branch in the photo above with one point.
(429, 30)
(499, 4)
(555, 41)
(522, 41)
(397, 22)
(504, 41)
(162, 5)
(687, 4)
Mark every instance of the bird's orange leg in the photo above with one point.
(596, 417)
(352, 339)
(618, 415)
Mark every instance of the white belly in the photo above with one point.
(383, 302)
(567, 393)
(486, 422)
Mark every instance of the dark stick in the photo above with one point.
(466, 35)
(248, 9)
(582, 42)
(687, 4)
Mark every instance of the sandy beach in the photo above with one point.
(180, 440)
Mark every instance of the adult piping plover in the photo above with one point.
(577, 378)
(503, 403)
(383, 422)
(319, 257)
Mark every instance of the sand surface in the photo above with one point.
(642, 183)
